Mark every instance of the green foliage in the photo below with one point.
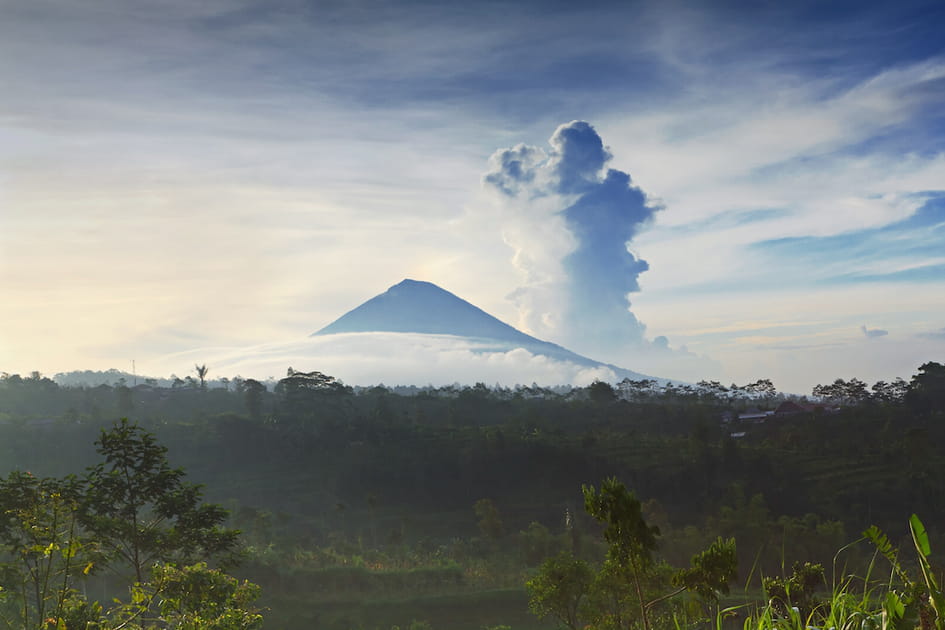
(855, 603)
(936, 598)
(612, 601)
(787, 489)
(41, 548)
(629, 579)
(189, 598)
(797, 590)
(135, 509)
(927, 389)
(712, 570)
(538, 543)
(601, 393)
(253, 392)
(908, 600)
(841, 392)
(143, 511)
(490, 523)
(558, 589)
(631, 540)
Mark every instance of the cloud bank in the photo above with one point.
(388, 358)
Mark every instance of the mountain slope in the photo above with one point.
(414, 306)
(415, 333)
(422, 307)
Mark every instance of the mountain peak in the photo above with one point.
(416, 286)
(416, 306)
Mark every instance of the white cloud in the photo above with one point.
(389, 358)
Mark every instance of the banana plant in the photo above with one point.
(936, 599)
(915, 604)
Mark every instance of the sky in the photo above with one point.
(694, 190)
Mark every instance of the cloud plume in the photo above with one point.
(570, 219)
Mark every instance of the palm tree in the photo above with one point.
(202, 374)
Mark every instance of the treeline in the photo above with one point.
(447, 447)
(923, 391)
(327, 480)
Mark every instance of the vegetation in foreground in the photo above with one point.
(132, 518)
(364, 509)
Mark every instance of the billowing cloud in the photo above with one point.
(874, 332)
(570, 220)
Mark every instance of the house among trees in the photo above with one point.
(796, 407)
(754, 415)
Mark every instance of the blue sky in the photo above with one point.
(179, 175)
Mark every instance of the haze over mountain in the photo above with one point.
(413, 306)
(415, 333)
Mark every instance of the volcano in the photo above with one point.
(413, 306)
(418, 307)
(415, 333)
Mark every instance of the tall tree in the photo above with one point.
(142, 510)
(632, 541)
(927, 389)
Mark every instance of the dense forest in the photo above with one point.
(433, 507)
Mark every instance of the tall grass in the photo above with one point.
(846, 608)
(903, 601)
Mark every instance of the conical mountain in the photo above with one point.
(414, 333)
(413, 306)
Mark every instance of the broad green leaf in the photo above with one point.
(894, 606)
(920, 536)
(879, 539)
